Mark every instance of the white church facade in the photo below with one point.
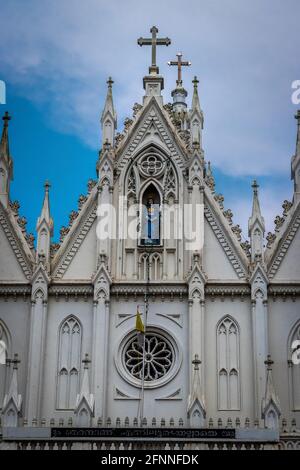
(222, 316)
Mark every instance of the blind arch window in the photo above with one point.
(228, 364)
(69, 360)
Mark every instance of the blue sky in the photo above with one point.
(55, 57)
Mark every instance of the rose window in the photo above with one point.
(151, 165)
(158, 360)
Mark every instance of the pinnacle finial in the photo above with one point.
(196, 362)
(6, 118)
(255, 186)
(195, 82)
(269, 362)
(86, 361)
(110, 82)
(47, 185)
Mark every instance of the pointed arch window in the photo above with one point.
(4, 369)
(228, 350)
(294, 367)
(69, 358)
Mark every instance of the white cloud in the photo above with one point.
(59, 54)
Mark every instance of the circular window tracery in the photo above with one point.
(159, 357)
(151, 165)
(163, 358)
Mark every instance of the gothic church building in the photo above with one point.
(222, 316)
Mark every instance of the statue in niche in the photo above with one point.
(151, 222)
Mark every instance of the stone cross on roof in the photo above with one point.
(153, 42)
(179, 63)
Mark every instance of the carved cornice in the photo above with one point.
(152, 289)
(71, 290)
(232, 257)
(228, 290)
(15, 291)
(283, 246)
(15, 244)
(79, 235)
(281, 290)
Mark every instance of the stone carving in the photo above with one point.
(63, 232)
(237, 231)
(220, 200)
(22, 222)
(54, 247)
(278, 221)
(270, 239)
(127, 124)
(15, 206)
(286, 207)
(73, 216)
(246, 247)
(228, 215)
(136, 108)
(30, 240)
(91, 185)
(118, 139)
(81, 200)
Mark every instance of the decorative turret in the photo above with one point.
(179, 94)
(6, 163)
(84, 408)
(196, 116)
(44, 228)
(256, 226)
(109, 117)
(270, 404)
(295, 164)
(12, 401)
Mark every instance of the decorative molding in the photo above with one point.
(235, 262)
(15, 291)
(174, 317)
(283, 247)
(228, 290)
(65, 259)
(119, 395)
(71, 290)
(17, 249)
(139, 289)
(280, 290)
(177, 395)
(129, 147)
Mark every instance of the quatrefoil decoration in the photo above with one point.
(151, 165)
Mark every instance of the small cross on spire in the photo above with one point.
(6, 118)
(179, 63)
(255, 186)
(269, 362)
(196, 362)
(47, 185)
(15, 361)
(153, 42)
(86, 361)
(110, 82)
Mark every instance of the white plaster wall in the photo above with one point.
(15, 314)
(153, 407)
(58, 311)
(283, 315)
(215, 310)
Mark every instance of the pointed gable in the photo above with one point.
(152, 125)
(223, 257)
(16, 259)
(76, 258)
(284, 261)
